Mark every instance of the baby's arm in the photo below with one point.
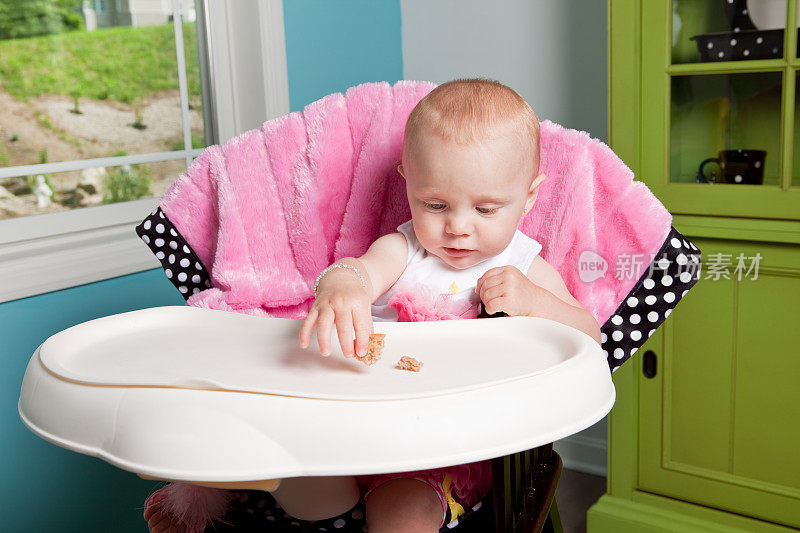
(556, 302)
(342, 300)
(540, 293)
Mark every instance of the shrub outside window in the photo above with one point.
(100, 102)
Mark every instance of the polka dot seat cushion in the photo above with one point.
(180, 263)
(672, 272)
(258, 512)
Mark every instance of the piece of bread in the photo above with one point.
(374, 349)
(409, 363)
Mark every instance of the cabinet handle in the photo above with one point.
(649, 364)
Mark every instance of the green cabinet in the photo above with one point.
(711, 442)
(692, 111)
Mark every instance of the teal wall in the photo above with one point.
(330, 46)
(46, 488)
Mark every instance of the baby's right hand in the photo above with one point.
(346, 304)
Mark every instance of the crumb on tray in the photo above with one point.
(374, 349)
(409, 363)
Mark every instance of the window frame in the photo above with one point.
(43, 253)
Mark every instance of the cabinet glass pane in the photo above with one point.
(728, 124)
(727, 30)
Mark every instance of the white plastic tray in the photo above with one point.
(192, 394)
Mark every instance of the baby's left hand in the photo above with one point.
(508, 290)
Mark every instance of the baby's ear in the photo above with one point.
(400, 170)
(536, 182)
(533, 190)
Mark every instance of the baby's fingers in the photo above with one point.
(307, 327)
(324, 330)
(344, 327)
(362, 320)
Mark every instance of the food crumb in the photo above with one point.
(409, 363)
(374, 349)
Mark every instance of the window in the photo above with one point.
(102, 105)
(93, 117)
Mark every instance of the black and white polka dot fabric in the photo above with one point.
(258, 512)
(180, 263)
(673, 271)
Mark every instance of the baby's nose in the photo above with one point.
(457, 225)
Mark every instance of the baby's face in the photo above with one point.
(466, 200)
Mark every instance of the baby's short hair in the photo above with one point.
(466, 110)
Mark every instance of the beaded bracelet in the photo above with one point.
(339, 265)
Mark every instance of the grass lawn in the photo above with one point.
(125, 64)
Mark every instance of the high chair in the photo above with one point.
(248, 228)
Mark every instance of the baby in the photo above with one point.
(470, 161)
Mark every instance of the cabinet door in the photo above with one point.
(720, 101)
(719, 423)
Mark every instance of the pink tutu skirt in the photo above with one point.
(459, 487)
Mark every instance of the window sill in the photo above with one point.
(62, 250)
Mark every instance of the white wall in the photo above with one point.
(552, 52)
(248, 64)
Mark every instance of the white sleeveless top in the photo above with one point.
(427, 269)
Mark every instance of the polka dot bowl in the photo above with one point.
(741, 45)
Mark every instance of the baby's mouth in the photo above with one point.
(457, 252)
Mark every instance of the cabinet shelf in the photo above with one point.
(730, 67)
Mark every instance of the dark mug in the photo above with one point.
(737, 166)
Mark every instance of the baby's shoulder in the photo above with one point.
(390, 246)
(392, 239)
(541, 269)
(386, 260)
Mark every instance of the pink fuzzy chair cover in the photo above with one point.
(267, 211)
(194, 507)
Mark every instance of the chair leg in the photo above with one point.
(540, 498)
(553, 522)
(524, 492)
(501, 513)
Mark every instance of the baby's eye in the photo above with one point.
(486, 210)
(435, 207)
